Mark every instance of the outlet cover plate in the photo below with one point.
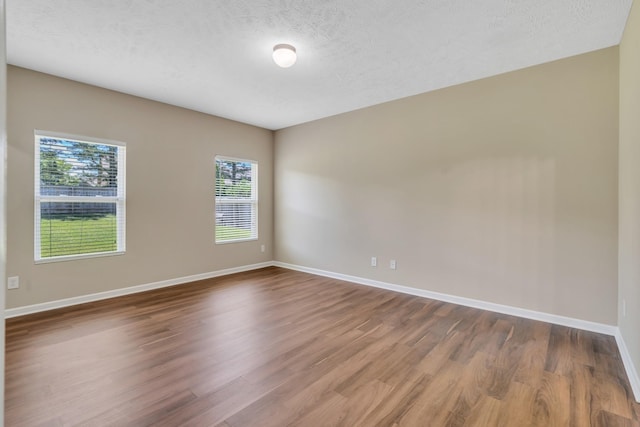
(13, 282)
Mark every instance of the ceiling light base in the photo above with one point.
(284, 55)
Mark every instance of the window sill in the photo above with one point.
(77, 257)
(226, 242)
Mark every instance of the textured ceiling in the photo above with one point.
(214, 56)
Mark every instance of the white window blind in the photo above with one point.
(79, 197)
(236, 200)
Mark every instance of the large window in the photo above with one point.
(79, 197)
(236, 200)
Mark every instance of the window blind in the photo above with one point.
(79, 197)
(236, 201)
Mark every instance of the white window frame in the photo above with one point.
(253, 201)
(119, 199)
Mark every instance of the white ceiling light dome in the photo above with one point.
(284, 55)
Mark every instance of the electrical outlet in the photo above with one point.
(261, 248)
(13, 282)
(374, 261)
(392, 264)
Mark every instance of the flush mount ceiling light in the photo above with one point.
(284, 55)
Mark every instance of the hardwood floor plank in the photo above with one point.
(363, 401)
(609, 395)
(534, 354)
(400, 400)
(551, 406)
(328, 412)
(217, 406)
(472, 383)
(607, 419)
(518, 406)
(581, 395)
(486, 413)
(275, 347)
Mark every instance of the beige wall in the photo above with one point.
(629, 240)
(502, 190)
(170, 187)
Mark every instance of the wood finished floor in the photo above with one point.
(275, 347)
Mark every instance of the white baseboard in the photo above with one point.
(468, 302)
(632, 373)
(36, 308)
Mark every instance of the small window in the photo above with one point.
(79, 197)
(236, 200)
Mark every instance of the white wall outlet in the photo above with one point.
(374, 261)
(261, 248)
(13, 282)
(392, 264)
